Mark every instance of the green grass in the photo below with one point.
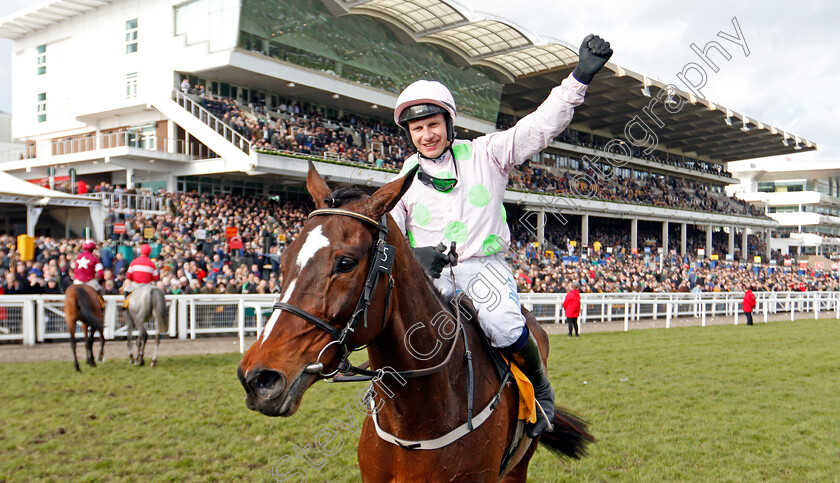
(720, 403)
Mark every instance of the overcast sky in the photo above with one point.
(790, 79)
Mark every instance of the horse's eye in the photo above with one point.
(346, 264)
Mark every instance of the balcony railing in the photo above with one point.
(196, 109)
(124, 202)
(117, 140)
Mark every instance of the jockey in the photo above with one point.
(460, 199)
(141, 272)
(87, 269)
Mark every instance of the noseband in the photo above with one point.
(382, 261)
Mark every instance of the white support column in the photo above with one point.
(767, 244)
(745, 245)
(683, 239)
(129, 178)
(32, 214)
(731, 248)
(171, 183)
(708, 241)
(665, 238)
(584, 230)
(634, 234)
(171, 135)
(541, 231)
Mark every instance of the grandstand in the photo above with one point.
(234, 96)
(803, 197)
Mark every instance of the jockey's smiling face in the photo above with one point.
(429, 135)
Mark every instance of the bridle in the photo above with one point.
(382, 262)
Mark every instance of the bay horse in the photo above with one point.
(145, 301)
(81, 304)
(418, 425)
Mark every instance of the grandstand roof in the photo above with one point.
(531, 66)
(44, 14)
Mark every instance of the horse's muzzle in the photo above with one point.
(264, 389)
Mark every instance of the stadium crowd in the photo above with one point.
(376, 144)
(193, 255)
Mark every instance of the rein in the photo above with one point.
(382, 262)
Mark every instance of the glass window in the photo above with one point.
(41, 107)
(42, 59)
(131, 85)
(131, 36)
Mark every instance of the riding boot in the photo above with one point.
(528, 359)
(124, 305)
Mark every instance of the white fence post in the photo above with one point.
(837, 305)
(626, 316)
(735, 311)
(173, 317)
(28, 322)
(110, 319)
(192, 319)
(240, 318)
(816, 303)
(39, 322)
(183, 319)
(668, 315)
(582, 315)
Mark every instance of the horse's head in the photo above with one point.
(325, 270)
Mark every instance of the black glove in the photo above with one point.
(432, 259)
(594, 53)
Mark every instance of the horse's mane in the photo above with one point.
(343, 196)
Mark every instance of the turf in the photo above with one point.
(720, 403)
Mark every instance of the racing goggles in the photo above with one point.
(444, 185)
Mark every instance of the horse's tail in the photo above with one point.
(570, 435)
(84, 304)
(159, 311)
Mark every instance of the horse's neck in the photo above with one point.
(417, 336)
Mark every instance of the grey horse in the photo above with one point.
(145, 301)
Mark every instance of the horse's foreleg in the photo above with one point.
(89, 333)
(72, 329)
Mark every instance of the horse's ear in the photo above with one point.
(317, 187)
(387, 196)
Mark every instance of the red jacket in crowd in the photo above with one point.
(749, 301)
(571, 304)
(142, 270)
(87, 267)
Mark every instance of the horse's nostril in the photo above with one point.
(268, 380)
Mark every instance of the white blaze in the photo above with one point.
(276, 314)
(315, 240)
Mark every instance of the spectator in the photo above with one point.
(571, 306)
(749, 305)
